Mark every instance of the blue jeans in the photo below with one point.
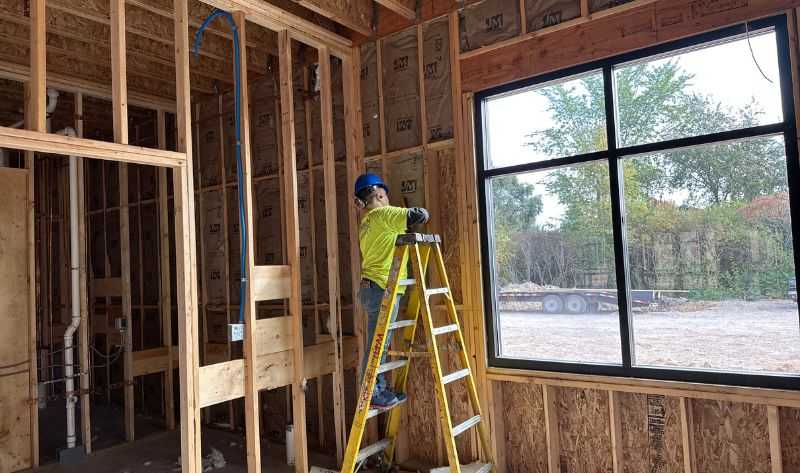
(371, 298)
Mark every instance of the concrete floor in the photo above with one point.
(158, 453)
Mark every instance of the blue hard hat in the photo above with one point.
(366, 181)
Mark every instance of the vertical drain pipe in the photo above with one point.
(74, 264)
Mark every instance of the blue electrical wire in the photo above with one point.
(198, 39)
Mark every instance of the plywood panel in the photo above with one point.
(584, 435)
(15, 424)
(790, 438)
(523, 415)
(651, 433)
(730, 437)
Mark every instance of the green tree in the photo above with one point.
(515, 208)
(713, 183)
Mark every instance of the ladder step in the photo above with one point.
(437, 290)
(445, 329)
(401, 324)
(466, 425)
(454, 376)
(392, 365)
(407, 282)
(370, 450)
(380, 410)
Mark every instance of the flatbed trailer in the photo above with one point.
(579, 301)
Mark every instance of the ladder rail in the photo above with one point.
(472, 388)
(417, 250)
(436, 365)
(376, 351)
(401, 378)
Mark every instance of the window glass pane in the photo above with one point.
(545, 122)
(553, 261)
(704, 90)
(711, 258)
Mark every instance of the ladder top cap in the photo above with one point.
(414, 238)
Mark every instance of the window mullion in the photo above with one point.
(617, 219)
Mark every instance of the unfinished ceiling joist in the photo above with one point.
(277, 19)
(404, 8)
(354, 14)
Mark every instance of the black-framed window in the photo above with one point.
(639, 213)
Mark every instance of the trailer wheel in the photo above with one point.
(576, 304)
(552, 304)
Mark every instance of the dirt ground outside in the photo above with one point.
(760, 336)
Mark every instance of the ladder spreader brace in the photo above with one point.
(418, 249)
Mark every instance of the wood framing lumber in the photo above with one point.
(66, 145)
(107, 287)
(83, 258)
(119, 72)
(165, 289)
(293, 246)
(271, 282)
(498, 424)
(354, 144)
(153, 360)
(224, 381)
(332, 243)
(185, 249)
(274, 334)
(551, 428)
(276, 19)
(32, 121)
(774, 428)
(354, 14)
(687, 435)
(125, 277)
(404, 8)
(615, 423)
(769, 397)
(38, 69)
(251, 404)
(618, 30)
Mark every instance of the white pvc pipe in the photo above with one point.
(74, 264)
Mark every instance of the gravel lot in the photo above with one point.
(730, 335)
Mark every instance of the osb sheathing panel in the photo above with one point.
(422, 418)
(651, 433)
(15, 427)
(730, 437)
(790, 438)
(523, 416)
(444, 166)
(584, 435)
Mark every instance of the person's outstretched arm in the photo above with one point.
(417, 216)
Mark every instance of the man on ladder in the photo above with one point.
(386, 251)
(381, 224)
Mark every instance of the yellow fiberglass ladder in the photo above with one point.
(419, 249)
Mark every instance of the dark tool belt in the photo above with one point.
(366, 284)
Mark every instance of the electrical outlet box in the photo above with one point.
(120, 324)
(236, 332)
